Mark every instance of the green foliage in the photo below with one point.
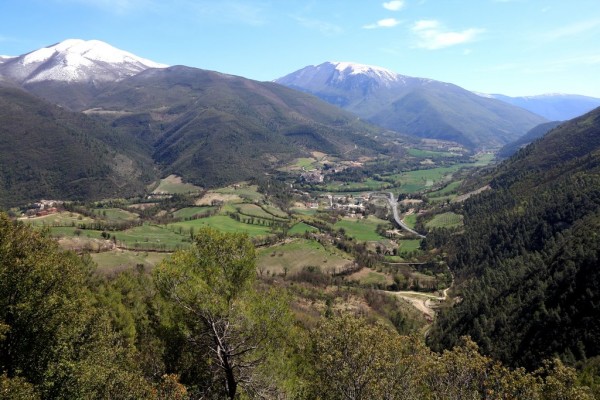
(352, 359)
(52, 335)
(223, 315)
(526, 265)
(49, 152)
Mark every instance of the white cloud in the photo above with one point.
(383, 23)
(394, 5)
(432, 35)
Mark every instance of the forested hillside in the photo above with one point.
(526, 266)
(49, 152)
(215, 129)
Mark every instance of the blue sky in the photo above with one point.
(513, 47)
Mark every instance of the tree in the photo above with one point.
(353, 359)
(225, 317)
(53, 339)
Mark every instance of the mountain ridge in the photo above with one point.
(418, 106)
(552, 106)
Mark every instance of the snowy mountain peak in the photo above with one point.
(349, 68)
(76, 60)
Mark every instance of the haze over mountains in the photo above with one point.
(417, 106)
(555, 106)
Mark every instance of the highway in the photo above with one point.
(394, 206)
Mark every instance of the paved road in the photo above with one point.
(394, 206)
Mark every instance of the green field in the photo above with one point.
(173, 184)
(305, 211)
(152, 237)
(275, 211)
(481, 160)
(297, 254)
(190, 212)
(367, 185)
(430, 154)
(300, 228)
(223, 223)
(361, 229)
(449, 189)
(419, 180)
(410, 220)
(114, 261)
(446, 220)
(59, 219)
(115, 214)
(249, 192)
(256, 211)
(370, 277)
(69, 231)
(407, 246)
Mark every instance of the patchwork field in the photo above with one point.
(190, 212)
(297, 254)
(362, 229)
(223, 223)
(58, 219)
(174, 185)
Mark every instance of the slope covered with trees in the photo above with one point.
(526, 266)
(215, 129)
(49, 152)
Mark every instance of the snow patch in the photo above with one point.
(486, 95)
(349, 68)
(77, 60)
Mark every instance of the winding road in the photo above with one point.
(394, 206)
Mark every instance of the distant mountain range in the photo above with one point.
(554, 107)
(211, 128)
(214, 129)
(416, 106)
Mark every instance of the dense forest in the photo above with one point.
(202, 325)
(526, 265)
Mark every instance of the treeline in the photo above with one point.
(202, 326)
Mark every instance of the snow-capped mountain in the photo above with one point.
(74, 60)
(346, 75)
(553, 106)
(418, 106)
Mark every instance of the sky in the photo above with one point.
(511, 47)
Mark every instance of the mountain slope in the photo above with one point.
(554, 107)
(48, 152)
(526, 266)
(529, 137)
(214, 129)
(417, 106)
